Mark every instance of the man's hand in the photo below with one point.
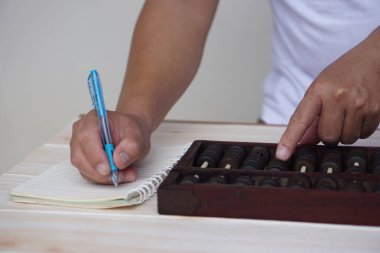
(130, 135)
(342, 104)
(166, 51)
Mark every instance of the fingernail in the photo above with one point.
(123, 158)
(282, 153)
(119, 179)
(130, 177)
(102, 169)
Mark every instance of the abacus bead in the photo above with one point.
(356, 161)
(354, 186)
(375, 168)
(253, 163)
(269, 182)
(262, 152)
(211, 155)
(232, 157)
(355, 169)
(377, 188)
(305, 157)
(258, 158)
(217, 179)
(190, 179)
(243, 181)
(299, 183)
(277, 165)
(327, 183)
(332, 158)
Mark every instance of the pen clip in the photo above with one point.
(91, 87)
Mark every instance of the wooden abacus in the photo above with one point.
(338, 185)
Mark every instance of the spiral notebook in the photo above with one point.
(62, 184)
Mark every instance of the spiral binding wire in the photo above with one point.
(149, 187)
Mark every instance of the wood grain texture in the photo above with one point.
(38, 228)
(225, 199)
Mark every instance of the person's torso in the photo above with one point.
(307, 37)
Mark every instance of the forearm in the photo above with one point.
(166, 51)
(373, 41)
(341, 104)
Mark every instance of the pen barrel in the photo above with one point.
(105, 130)
(109, 151)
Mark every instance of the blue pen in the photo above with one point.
(96, 93)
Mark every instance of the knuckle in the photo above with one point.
(75, 128)
(86, 134)
(75, 158)
(298, 119)
(375, 109)
(76, 124)
(341, 93)
(359, 103)
(318, 88)
(135, 149)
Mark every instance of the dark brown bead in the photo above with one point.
(331, 161)
(257, 160)
(375, 168)
(260, 151)
(243, 181)
(212, 155)
(190, 179)
(356, 161)
(233, 157)
(327, 184)
(377, 188)
(306, 159)
(298, 182)
(253, 163)
(277, 165)
(217, 179)
(269, 182)
(354, 186)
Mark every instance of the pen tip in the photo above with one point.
(114, 179)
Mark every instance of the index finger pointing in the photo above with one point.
(302, 118)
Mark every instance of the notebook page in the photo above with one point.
(64, 183)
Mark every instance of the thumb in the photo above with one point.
(127, 152)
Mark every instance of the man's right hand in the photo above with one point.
(130, 136)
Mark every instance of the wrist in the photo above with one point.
(373, 44)
(140, 108)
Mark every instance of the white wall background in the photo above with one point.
(47, 48)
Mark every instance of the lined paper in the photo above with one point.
(63, 185)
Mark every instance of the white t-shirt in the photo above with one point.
(309, 35)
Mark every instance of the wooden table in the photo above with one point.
(38, 228)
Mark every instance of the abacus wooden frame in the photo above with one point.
(234, 201)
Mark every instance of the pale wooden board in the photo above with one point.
(64, 231)
(28, 227)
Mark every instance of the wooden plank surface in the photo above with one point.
(39, 228)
